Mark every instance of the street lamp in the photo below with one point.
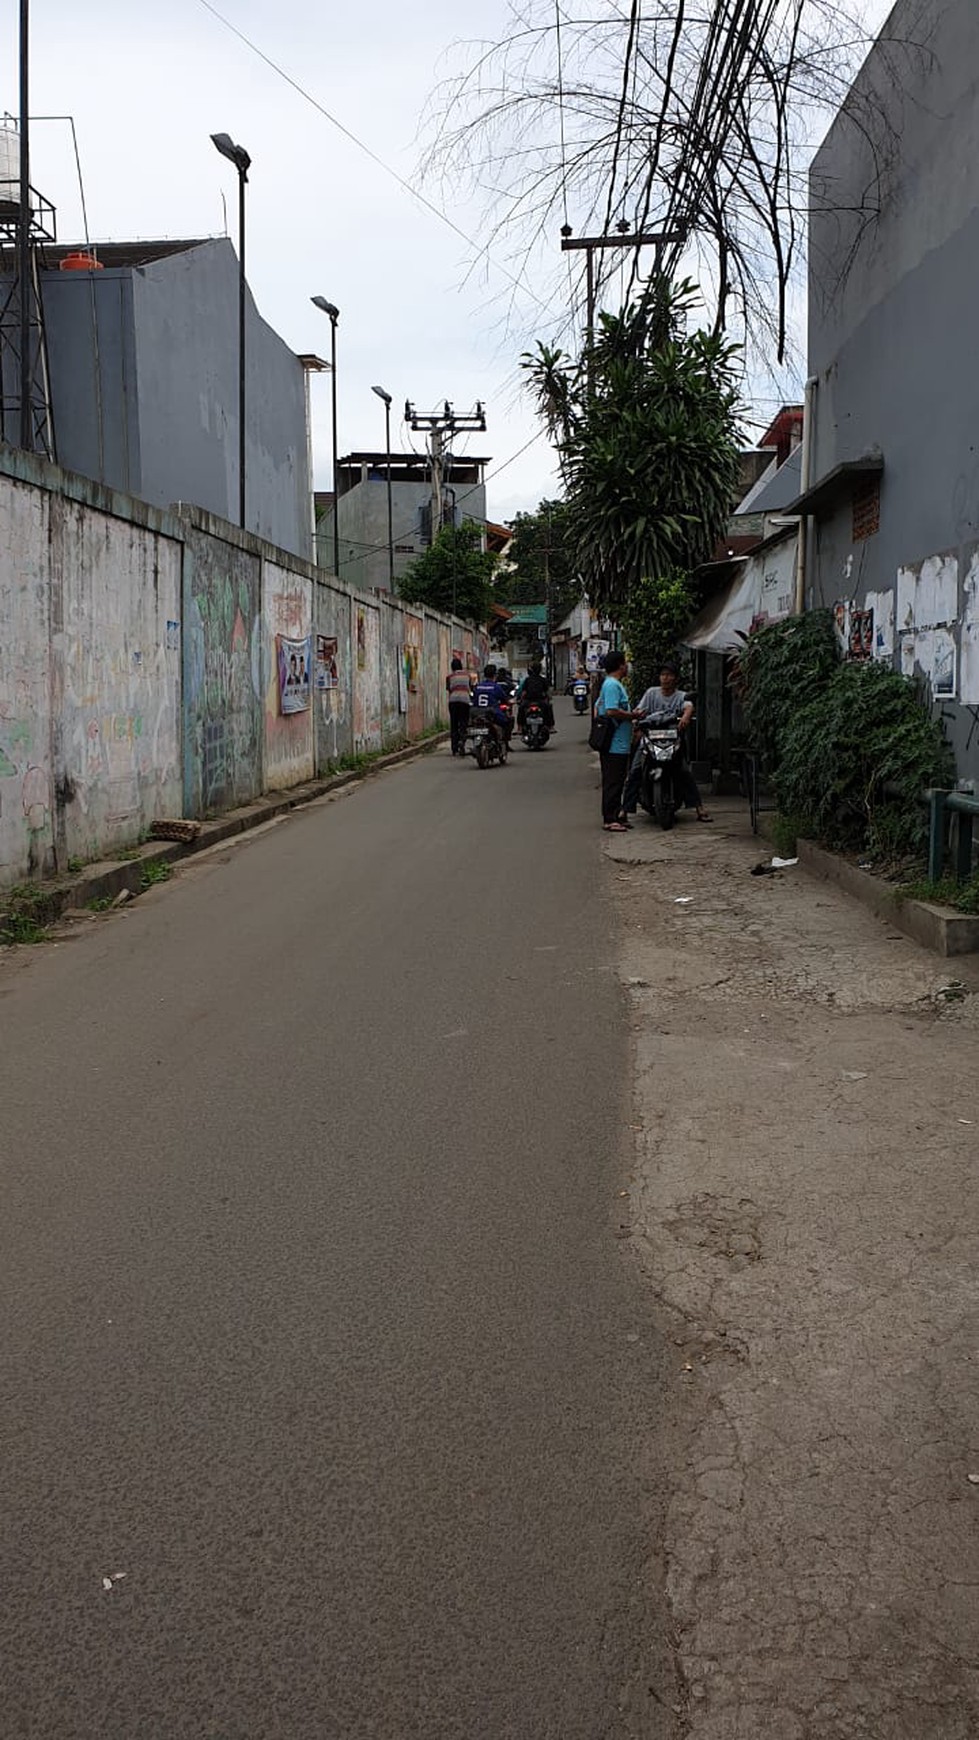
(387, 434)
(237, 155)
(333, 311)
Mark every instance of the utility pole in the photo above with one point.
(624, 238)
(437, 427)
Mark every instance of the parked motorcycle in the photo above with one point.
(661, 747)
(484, 740)
(535, 732)
(579, 695)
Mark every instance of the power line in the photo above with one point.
(406, 187)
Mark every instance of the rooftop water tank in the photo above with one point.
(80, 262)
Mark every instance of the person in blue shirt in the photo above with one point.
(489, 697)
(613, 703)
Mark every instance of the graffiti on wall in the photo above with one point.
(367, 680)
(287, 609)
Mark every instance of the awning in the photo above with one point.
(837, 484)
(761, 589)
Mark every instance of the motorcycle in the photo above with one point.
(580, 695)
(485, 742)
(535, 732)
(661, 748)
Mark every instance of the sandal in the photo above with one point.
(704, 816)
(615, 827)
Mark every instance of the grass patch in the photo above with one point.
(157, 870)
(785, 833)
(962, 896)
(26, 911)
(129, 856)
(102, 904)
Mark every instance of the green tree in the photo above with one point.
(653, 621)
(540, 559)
(455, 575)
(645, 428)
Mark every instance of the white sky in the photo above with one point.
(148, 85)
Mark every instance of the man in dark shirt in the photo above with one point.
(535, 689)
(490, 699)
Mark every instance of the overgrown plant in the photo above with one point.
(655, 617)
(856, 758)
(779, 669)
(645, 425)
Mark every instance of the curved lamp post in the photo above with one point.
(333, 311)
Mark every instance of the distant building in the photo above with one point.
(363, 479)
(143, 370)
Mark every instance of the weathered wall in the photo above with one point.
(891, 324)
(222, 674)
(332, 705)
(138, 670)
(116, 752)
(26, 785)
(287, 603)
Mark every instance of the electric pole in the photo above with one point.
(437, 427)
(624, 238)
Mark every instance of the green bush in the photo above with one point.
(782, 666)
(855, 758)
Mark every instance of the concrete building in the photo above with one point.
(892, 502)
(363, 477)
(143, 366)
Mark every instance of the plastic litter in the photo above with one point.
(783, 863)
(854, 1075)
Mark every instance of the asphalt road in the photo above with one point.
(315, 1323)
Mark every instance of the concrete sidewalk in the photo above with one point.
(806, 1215)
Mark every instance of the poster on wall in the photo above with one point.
(361, 640)
(594, 655)
(327, 671)
(412, 663)
(293, 661)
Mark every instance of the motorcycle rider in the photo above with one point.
(490, 700)
(668, 704)
(535, 689)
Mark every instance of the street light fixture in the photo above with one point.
(333, 311)
(237, 155)
(387, 434)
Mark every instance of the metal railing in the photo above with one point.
(942, 805)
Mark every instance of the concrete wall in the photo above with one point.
(138, 669)
(144, 385)
(894, 257)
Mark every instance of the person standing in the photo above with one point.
(613, 704)
(459, 688)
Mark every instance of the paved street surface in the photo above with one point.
(806, 1208)
(320, 1344)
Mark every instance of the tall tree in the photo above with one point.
(541, 562)
(645, 427)
(455, 575)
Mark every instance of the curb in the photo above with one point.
(108, 878)
(938, 928)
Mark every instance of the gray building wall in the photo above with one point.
(144, 386)
(894, 259)
(364, 527)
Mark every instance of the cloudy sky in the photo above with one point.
(148, 85)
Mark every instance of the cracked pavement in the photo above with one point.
(805, 1217)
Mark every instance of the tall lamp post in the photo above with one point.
(237, 155)
(387, 442)
(333, 311)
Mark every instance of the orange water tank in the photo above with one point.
(81, 263)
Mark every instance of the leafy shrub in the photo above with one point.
(782, 667)
(657, 613)
(855, 758)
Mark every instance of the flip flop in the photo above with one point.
(704, 817)
(615, 827)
